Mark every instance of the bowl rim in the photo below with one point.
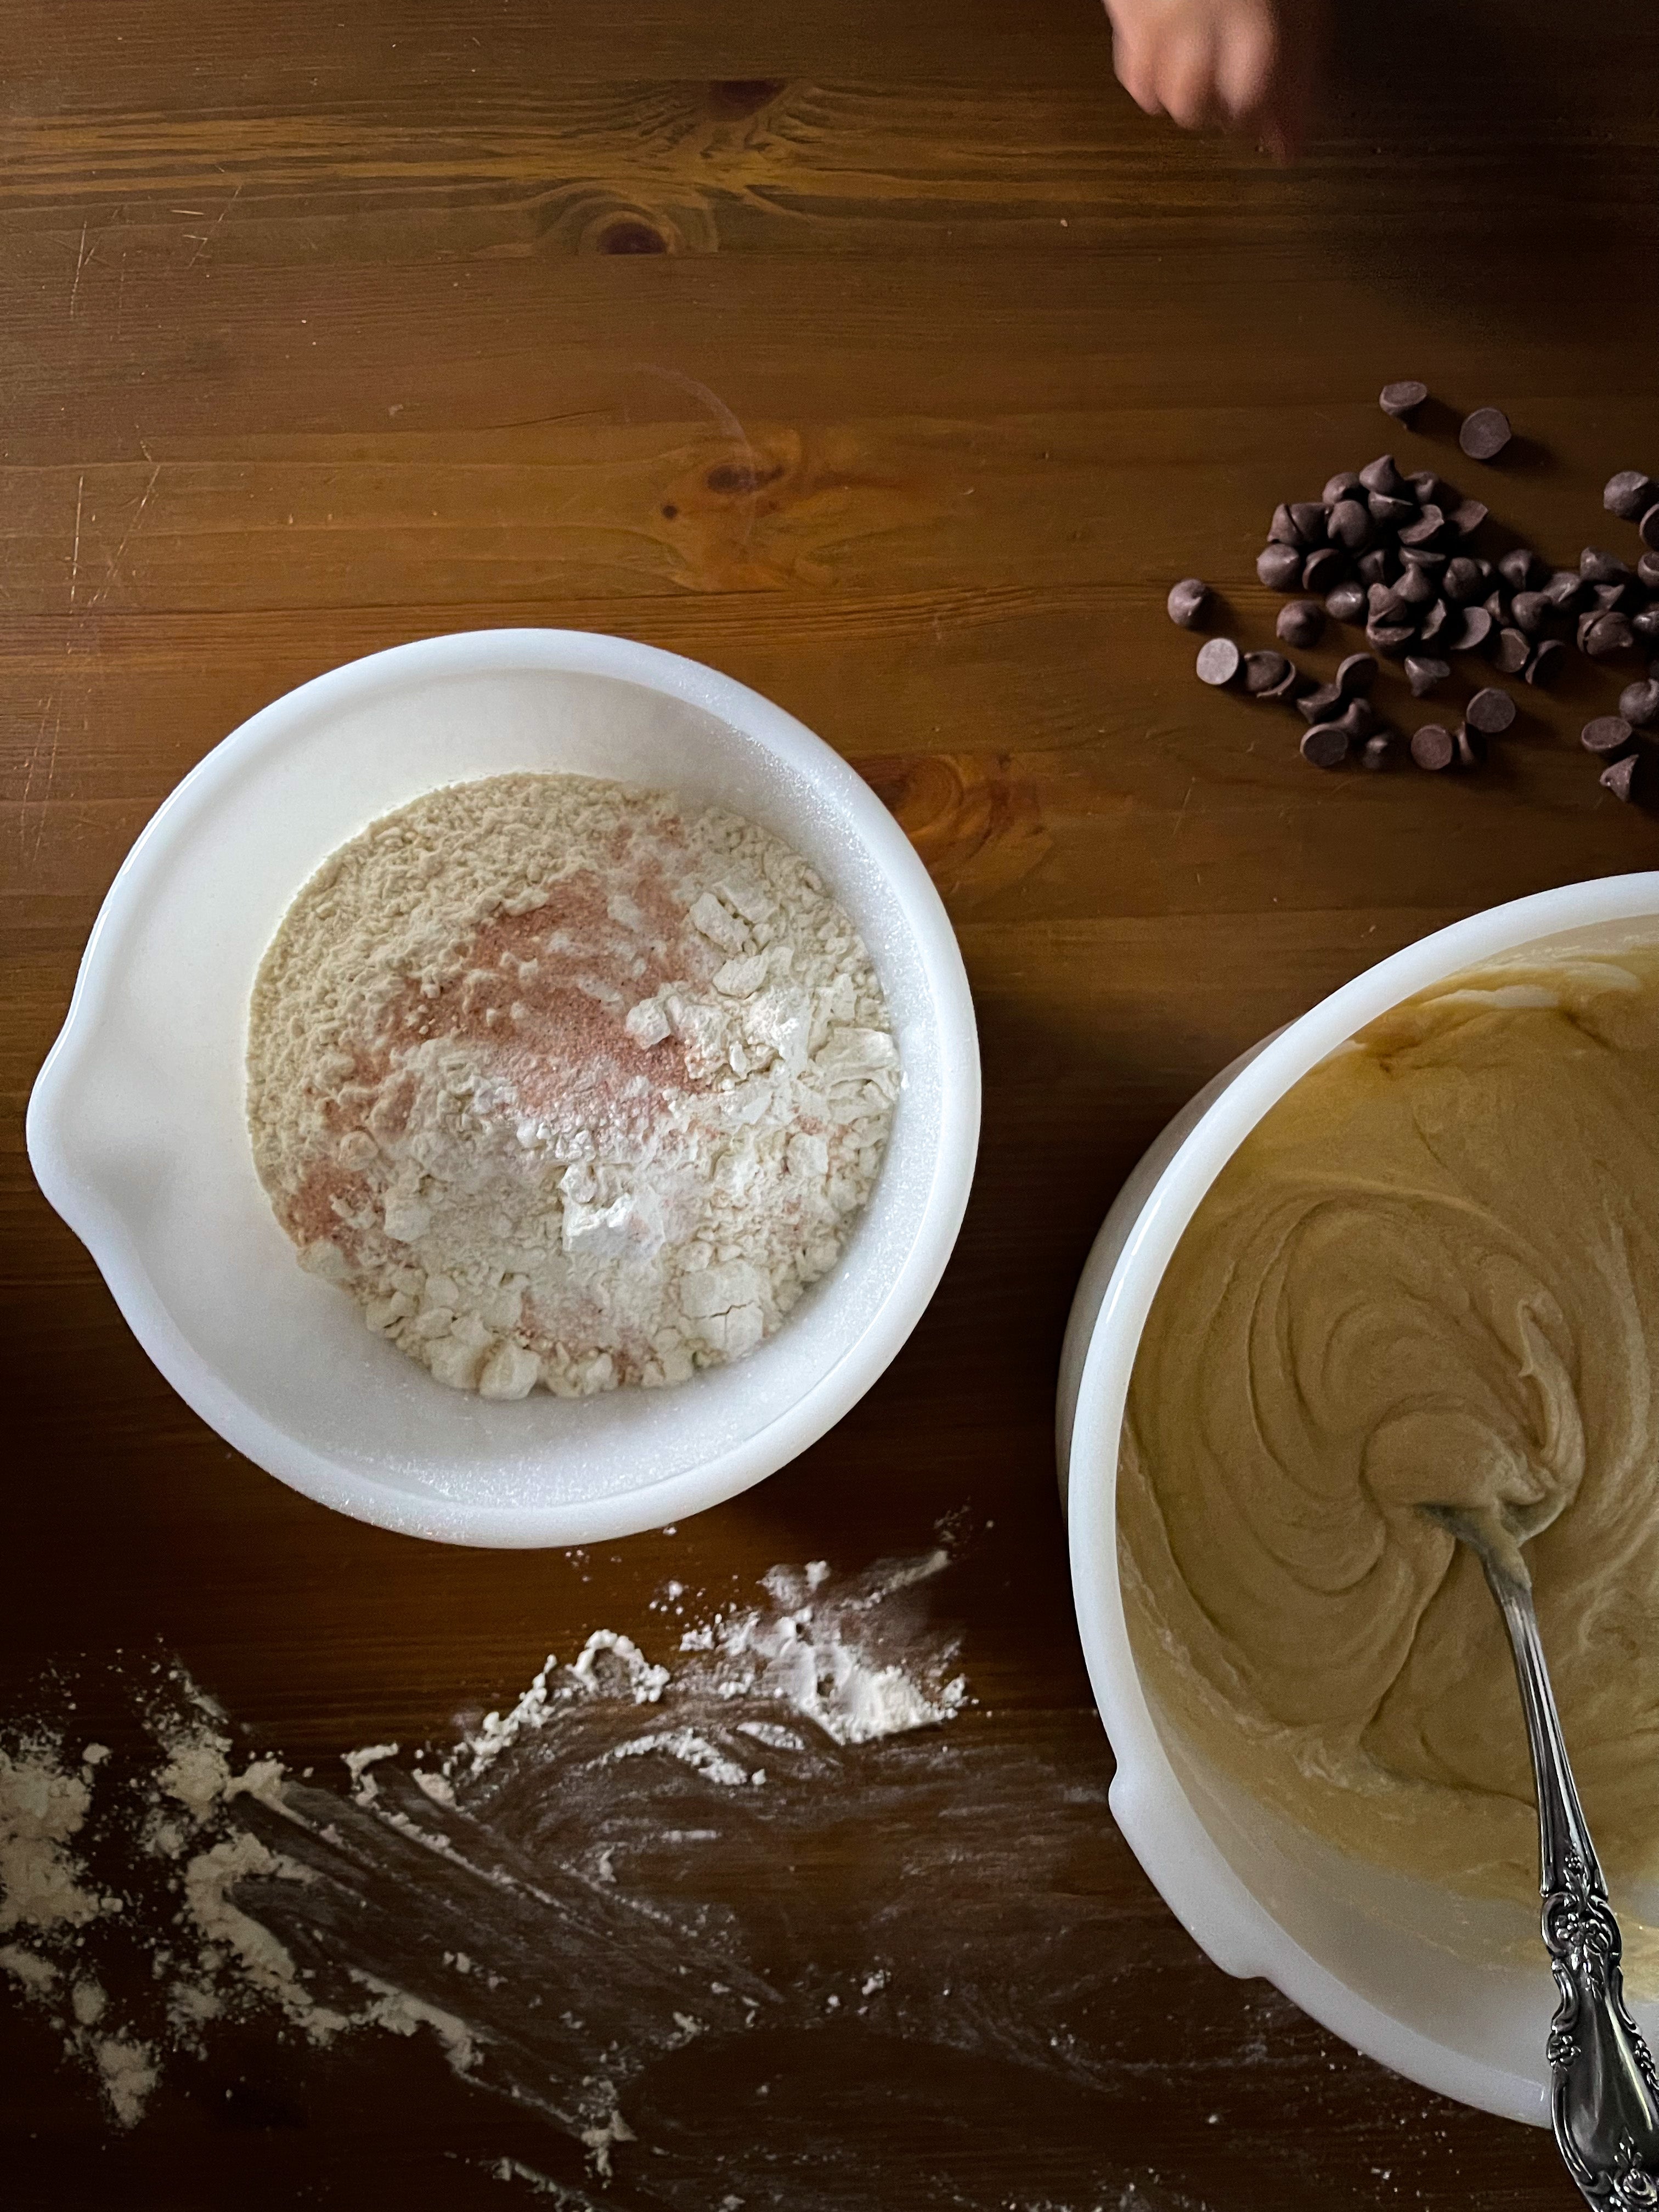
(1148, 1801)
(141, 875)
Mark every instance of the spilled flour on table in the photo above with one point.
(489, 1898)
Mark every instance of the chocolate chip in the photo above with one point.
(1639, 703)
(1521, 569)
(1424, 673)
(1619, 776)
(1356, 675)
(1309, 516)
(1467, 516)
(1490, 712)
(1218, 661)
(1343, 485)
(1300, 621)
(1381, 476)
(1530, 611)
(1648, 569)
(1629, 495)
(1351, 525)
(1323, 570)
(1461, 581)
(1402, 400)
(1189, 602)
(1497, 604)
(1476, 630)
(1417, 587)
(1280, 566)
(1565, 589)
(1282, 530)
(1288, 685)
(1263, 671)
(1326, 745)
(1510, 653)
(1427, 557)
(1346, 604)
(1391, 639)
(1431, 490)
(1609, 596)
(1375, 752)
(1601, 634)
(1390, 512)
(1596, 567)
(1646, 624)
(1319, 705)
(1377, 566)
(1471, 746)
(1427, 527)
(1649, 525)
(1434, 622)
(1432, 747)
(1485, 433)
(1357, 718)
(1549, 659)
(1608, 733)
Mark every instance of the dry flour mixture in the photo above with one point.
(568, 1087)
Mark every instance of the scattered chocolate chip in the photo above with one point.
(1424, 673)
(1356, 675)
(1565, 590)
(1326, 745)
(1510, 651)
(1639, 703)
(1391, 639)
(1432, 747)
(1431, 490)
(1321, 570)
(1218, 661)
(1461, 581)
(1485, 433)
(1530, 611)
(1429, 557)
(1288, 685)
(1497, 604)
(1434, 622)
(1646, 624)
(1377, 747)
(1280, 566)
(1416, 586)
(1596, 567)
(1471, 746)
(1263, 671)
(1377, 566)
(1380, 474)
(1490, 712)
(1648, 569)
(1351, 525)
(1319, 705)
(1649, 525)
(1619, 776)
(1343, 485)
(1189, 602)
(1629, 495)
(1402, 400)
(1476, 628)
(1427, 527)
(1521, 569)
(1608, 733)
(1282, 530)
(1384, 603)
(1606, 634)
(1467, 516)
(1309, 516)
(1300, 621)
(1346, 604)
(1549, 659)
(1609, 596)
(1390, 512)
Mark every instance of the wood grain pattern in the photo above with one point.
(888, 360)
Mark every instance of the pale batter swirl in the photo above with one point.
(1430, 1273)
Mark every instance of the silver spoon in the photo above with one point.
(1604, 2092)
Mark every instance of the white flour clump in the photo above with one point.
(566, 1087)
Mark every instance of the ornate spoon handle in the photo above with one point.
(1604, 2092)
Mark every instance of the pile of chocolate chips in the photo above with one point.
(1399, 554)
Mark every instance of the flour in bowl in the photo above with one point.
(568, 1087)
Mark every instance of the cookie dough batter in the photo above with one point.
(1430, 1273)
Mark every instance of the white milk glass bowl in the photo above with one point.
(1455, 1993)
(137, 1131)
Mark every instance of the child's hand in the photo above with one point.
(1247, 65)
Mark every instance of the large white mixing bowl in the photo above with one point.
(137, 1130)
(1455, 1994)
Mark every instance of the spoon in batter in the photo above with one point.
(1604, 2092)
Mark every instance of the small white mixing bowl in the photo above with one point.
(137, 1134)
(1452, 1992)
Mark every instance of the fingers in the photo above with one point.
(1248, 64)
(1169, 70)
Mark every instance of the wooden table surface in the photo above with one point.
(888, 360)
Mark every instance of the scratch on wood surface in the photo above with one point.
(1192, 787)
(52, 710)
(114, 568)
(213, 229)
(80, 264)
(74, 550)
